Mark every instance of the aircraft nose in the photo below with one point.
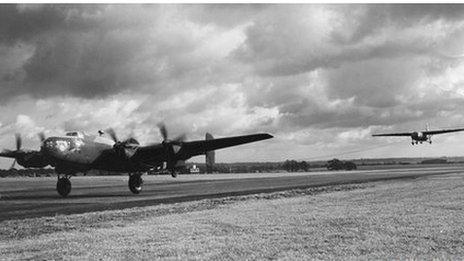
(48, 145)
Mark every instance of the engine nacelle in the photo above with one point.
(126, 149)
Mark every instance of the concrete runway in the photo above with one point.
(35, 197)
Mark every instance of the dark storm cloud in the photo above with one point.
(87, 65)
(365, 59)
(92, 51)
(370, 18)
(97, 50)
(17, 25)
(26, 22)
(64, 61)
(227, 15)
(370, 60)
(416, 12)
(297, 39)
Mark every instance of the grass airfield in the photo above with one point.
(397, 219)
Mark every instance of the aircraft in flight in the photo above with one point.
(77, 152)
(420, 136)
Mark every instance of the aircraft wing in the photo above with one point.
(434, 132)
(157, 153)
(151, 153)
(393, 134)
(8, 154)
(194, 148)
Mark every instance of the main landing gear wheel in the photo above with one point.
(63, 186)
(135, 183)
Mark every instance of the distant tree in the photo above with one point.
(349, 165)
(293, 166)
(289, 165)
(304, 166)
(337, 164)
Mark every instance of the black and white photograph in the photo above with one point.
(231, 131)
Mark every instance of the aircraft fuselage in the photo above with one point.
(82, 153)
(419, 136)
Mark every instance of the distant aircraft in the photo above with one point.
(77, 152)
(420, 136)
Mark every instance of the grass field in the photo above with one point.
(419, 219)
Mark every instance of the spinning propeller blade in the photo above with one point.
(26, 158)
(163, 131)
(125, 148)
(180, 138)
(41, 137)
(19, 141)
(112, 134)
(164, 134)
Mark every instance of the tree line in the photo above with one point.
(240, 167)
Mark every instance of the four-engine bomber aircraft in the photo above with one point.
(420, 136)
(77, 152)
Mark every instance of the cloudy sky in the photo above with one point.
(320, 78)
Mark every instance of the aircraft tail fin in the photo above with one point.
(210, 155)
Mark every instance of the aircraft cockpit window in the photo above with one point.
(74, 134)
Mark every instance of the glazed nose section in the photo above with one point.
(48, 146)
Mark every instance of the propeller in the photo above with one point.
(164, 134)
(41, 137)
(112, 134)
(163, 131)
(180, 138)
(171, 147)
(19, 141)
(27, 158)
(124, 148)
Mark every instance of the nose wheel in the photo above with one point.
(63, 186)
(135, 183)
